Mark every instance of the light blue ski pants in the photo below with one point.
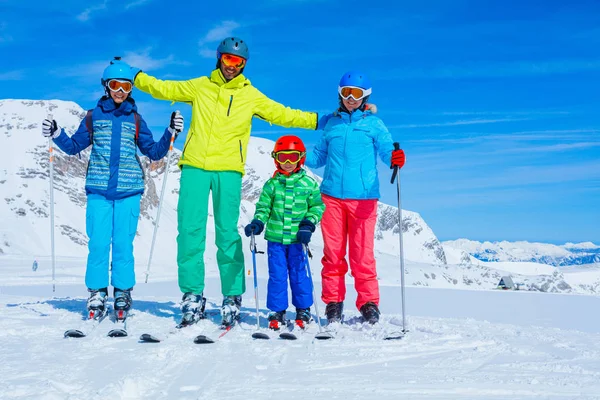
(111, 222)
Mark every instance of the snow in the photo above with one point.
(461, 345)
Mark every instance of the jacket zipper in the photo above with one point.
(230, 101)
(241, 154)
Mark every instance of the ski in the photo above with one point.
(223, 329)
(91, 324)
(151, 338)
(122, 316)
(291, 326)
(395, 336)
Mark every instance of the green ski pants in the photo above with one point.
(192, 214)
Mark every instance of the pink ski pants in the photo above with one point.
(349, 223)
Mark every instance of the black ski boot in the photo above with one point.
(333, 312)
(302, 317)
(96, 303)
(276, 320)
(230, 310)
(122, 303)
(370, 312)
(192, 309)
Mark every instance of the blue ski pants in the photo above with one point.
(284, 260)
(111, 222)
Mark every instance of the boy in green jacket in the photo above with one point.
(290, 204)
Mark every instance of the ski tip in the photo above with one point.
(395, 336)
(287, 336)
(117, 333)
(74, 333)
(147, 338)
(201, 339)
(323, 336)
(260, 335)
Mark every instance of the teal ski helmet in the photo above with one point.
(117, 69)
(235, 46)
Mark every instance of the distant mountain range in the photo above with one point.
(544, 253)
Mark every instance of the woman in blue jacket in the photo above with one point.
(353, 138)
(114, 183)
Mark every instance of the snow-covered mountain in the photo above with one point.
(24, 186)
(544, 253)
(25, 230)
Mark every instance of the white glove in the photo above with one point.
(176, 125)
(50, 128)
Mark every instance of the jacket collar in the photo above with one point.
(294, 176)
(353, 116)
(108, 105)
(236, 83)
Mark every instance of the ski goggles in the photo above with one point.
(115, 85)
(230, 60)
(352, 91)
(288, 156)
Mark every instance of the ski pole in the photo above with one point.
(257, 334)
(397, 172)
(51, 166)
(307, 253)
(160, 203)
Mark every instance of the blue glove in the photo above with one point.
(134, 72)
(305, 231)
(256, 227)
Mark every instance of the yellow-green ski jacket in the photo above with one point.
(222, 117)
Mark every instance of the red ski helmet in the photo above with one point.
(289, 143)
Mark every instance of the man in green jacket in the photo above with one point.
(213, 160)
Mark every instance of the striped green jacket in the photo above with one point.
(284, 202)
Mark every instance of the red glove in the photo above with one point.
(398, 158)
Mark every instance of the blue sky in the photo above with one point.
(495, 102)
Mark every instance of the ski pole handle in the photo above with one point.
(395, 167)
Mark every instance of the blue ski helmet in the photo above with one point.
(235, 46)
(356, 79)
(117, 69)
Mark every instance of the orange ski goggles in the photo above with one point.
(288, 156)
(352, 91)
(115, 85)
(230, 60)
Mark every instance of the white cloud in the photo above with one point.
(551, 148)
(498, 70)
(460, 122)
(144, 61)
(135, 3)
(16, 75)
(85, 15)
(219, 32)
(224, 29)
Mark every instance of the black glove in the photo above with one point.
(256, 227)
(50, 128)
(176, 124)
(305, 231)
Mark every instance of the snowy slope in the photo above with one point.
(461, 345)
(545, 253)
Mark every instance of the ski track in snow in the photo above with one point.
(440, 358)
